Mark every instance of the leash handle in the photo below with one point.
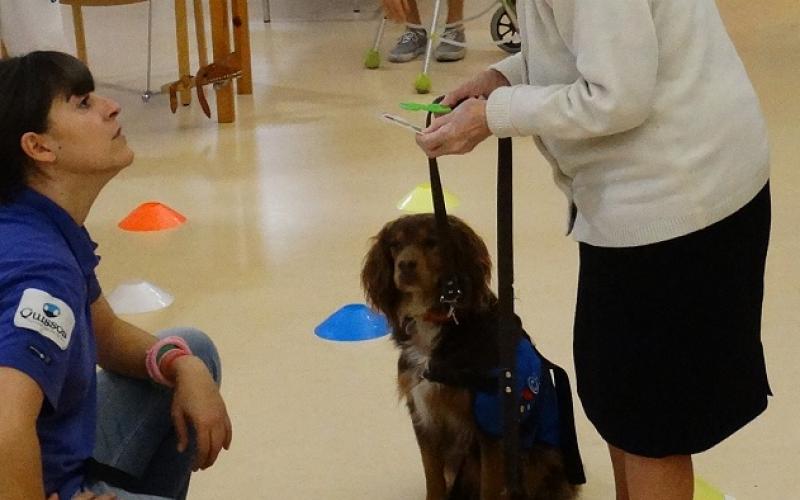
(508, 331)
(507, 328)
(451, 292)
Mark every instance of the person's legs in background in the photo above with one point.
(136, 449)
(453, 33)
(413, 41)
(642, 478)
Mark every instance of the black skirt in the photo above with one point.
(667, 345)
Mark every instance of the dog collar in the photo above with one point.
(439, 317)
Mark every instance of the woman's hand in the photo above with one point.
(481, 85)
(197, 402)
(457, 132)
(396, 10)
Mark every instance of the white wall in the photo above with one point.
(27, 25)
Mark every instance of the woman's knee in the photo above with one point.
(201, 345)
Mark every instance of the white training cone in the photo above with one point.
(135, 297)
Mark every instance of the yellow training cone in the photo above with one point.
(704, 491)
(420, 201)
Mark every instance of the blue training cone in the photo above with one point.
(353, 323)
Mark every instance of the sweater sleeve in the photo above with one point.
(512, 68)
(616, 51)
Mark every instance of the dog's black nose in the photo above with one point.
(407, 265)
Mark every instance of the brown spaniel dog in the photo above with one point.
(402, 277)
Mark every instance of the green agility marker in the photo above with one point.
(430, 108)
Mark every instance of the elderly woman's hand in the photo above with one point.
(457, 132)
(481, 85)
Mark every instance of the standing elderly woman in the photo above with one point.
(65, 430)
(656, 137)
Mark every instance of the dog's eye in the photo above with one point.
(430, 242)
(394, 246)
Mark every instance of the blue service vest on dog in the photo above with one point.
(537, 402)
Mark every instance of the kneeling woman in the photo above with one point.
(138, 428)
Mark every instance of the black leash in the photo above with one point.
(510, 336)
(509, 331)
(452, 294)
(451, 291)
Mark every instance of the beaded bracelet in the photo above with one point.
(165, 351)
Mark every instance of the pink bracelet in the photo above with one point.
(165, 363)
(181, 348)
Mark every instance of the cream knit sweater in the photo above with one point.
(643, 108)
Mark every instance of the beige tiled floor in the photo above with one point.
(280, 208)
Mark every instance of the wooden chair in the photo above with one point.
(226, 64)
(181, 34)
(77, 19)
(80, 34)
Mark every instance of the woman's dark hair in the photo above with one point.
(28, 86)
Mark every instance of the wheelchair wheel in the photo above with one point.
(503, 30)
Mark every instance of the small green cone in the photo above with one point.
(423, 84)
(373, 59)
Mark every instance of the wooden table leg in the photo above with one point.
(221, 48)
(80, 34)
(182, 39)
(241, 44)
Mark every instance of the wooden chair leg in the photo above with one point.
(182, 38)
(221, 48)
(200, 29)
(241, 44)
(80, 34)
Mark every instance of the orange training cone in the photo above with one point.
(152, 216)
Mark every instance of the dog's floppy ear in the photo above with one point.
(377, 275)
(474, 261)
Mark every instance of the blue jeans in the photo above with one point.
(135, 456)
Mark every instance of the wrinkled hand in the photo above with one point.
(481, 85)
(86, 495)
(457, 132)
(197, 402)
(396, 10)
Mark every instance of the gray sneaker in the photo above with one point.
(409, 46)
(447, 51)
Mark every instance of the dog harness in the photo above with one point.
(454, 365)
(538, 407)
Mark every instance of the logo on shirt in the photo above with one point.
(51, 310)
(50, 317)
(533, 384)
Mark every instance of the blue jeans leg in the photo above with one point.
(135, 435)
